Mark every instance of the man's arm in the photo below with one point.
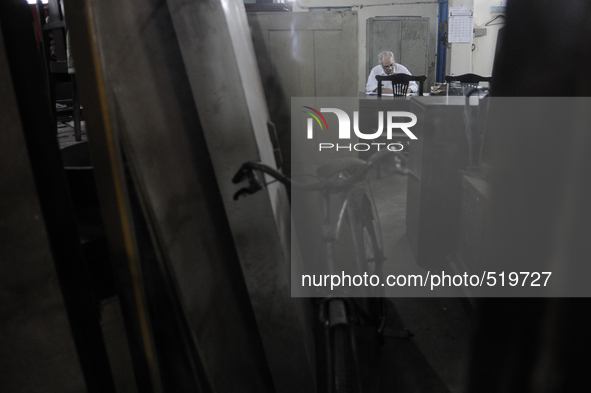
(372, 83)
(412, 86)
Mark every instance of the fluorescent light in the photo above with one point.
(35, 1)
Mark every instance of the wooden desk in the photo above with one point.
(433, 202)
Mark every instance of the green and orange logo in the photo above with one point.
(314, 114)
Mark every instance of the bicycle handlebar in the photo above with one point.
(247, 171)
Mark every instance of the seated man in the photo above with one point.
(387, 67)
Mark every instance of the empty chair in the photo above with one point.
(400, 83)
(468, 81)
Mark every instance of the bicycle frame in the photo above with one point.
(338, 312)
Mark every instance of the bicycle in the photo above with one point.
(340, 313)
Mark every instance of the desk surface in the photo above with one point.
(425, 100)
(445, 100)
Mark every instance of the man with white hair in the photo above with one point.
(387, 66)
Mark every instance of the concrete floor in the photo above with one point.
(65, 133)
(436, 358)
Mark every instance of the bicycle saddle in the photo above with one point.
(338, 165)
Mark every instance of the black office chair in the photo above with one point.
(468, 81)
(400, 83)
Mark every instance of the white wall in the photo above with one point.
(461, 58)
(483, 55)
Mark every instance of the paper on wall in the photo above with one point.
(461, 24)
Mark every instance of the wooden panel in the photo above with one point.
(330, 70)
(186, 101)
(297, 54)
(414, 46)
(218, 54)
(319, 48)
(293, 59)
